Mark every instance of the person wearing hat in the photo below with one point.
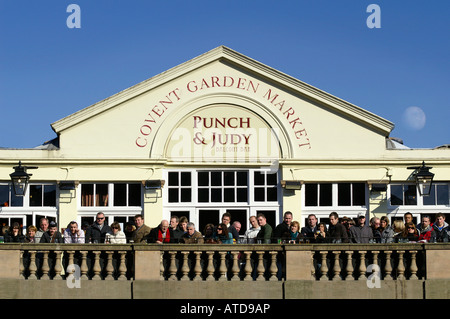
(52, 235)
(361, 233)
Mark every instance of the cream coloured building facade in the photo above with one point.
(223, 133)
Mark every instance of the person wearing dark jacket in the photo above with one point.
(337, 231)
(161, 234)
(15, 235)
(52, 235)
(283, 228)
(96, 233)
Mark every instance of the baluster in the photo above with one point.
(33, 267)
(273, 266)
(173, 266)
(375, 262)
(235, 268)
(84, 268)
(362, 265)
(21, 266)
(313, 267)
(401, 266)
(109, 266)
(248, 266)
(388, 266)
(123, 266)
(97, 269)
(161, 265)
(185, 267)
(413, 267)
(349, 267)
(324, 267)
(260, 267)
(198, 266)
(210, 267)
(223, 266)
(70, 262)
(58, 266)
(45, 267)
(337, 266)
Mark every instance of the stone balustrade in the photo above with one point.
(279, 270)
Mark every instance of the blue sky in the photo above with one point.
(49, 71)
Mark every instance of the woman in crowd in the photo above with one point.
(15, 235)
(321, 236)
(222, 235)
(31, 233)
(409, 234)
(398, 227)
(116, 236)
(294, 235)
(208, 236)
(387, 232)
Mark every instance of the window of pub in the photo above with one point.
(205, 195)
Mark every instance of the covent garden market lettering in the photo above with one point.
(173, 98)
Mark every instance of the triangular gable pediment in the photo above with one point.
(207, 79)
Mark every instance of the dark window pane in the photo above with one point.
(310, 194)
(101, 195)
(242, 195)
(16, 201)
(216, 195)
(50, 195)
(259, 178)
(272, 194)
(431, 199)
(87, 194)
(410, 195)
(203, 178)
(344, 197)
(186, 194)
(326, 198)
(173, 195)
(186, 179)
(229, 195)
(216, 178)
(173, 179)
(396, 195)
(272, 179)
(259, 194)
(359, 194)
(4, 195)
(203, 195)
(134, 194)
(120, 194)
(242, 178)
(228, 178)
(35, 195)
(442, 195)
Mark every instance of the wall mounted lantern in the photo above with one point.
(423, 178)
(20, 178)
(286, 184)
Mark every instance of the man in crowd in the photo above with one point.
(161, 234)
(142, 230)
(426, 232)
(52, 235)
(337, 231)
(177, 232)
(96, 233)
(310, 229)
(441, 228)
(226, 219)
(43, 227)
(265, 234)
(192, 236)
(283, 228)
(361, 233)
(74, 235)
(252, 232)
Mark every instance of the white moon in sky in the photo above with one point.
(414, 118)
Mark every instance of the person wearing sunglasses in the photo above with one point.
(96, 233)
(409, 234)
(221, 235)
(116, 235)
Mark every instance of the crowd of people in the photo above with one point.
(181, 230)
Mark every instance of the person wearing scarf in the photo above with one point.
(162, 234)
